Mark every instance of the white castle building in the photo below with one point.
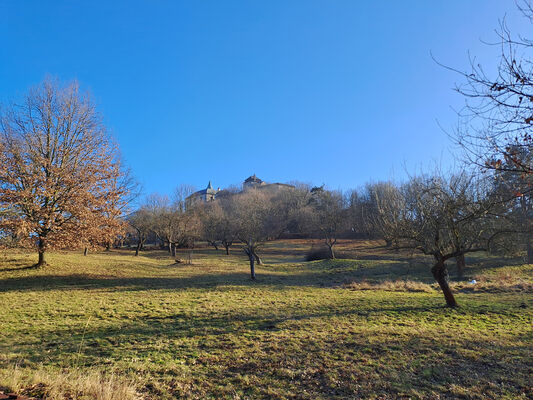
(252, 182)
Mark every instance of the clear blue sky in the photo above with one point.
(335, 92)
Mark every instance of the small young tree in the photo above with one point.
(142, 223)
(217, 226)
(164, 220)
(60, 173)
(328, 216)
(172, 223)
(251, 211)
(211, 216)
(190, 231)
(228, 225)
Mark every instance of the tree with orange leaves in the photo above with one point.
(61, 178)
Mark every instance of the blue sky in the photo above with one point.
(335, 92)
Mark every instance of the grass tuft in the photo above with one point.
(391, 286)
(67, 384)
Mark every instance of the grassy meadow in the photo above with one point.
(372, 326)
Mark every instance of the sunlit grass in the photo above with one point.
(325, 329)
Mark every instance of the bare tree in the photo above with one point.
(328, 216)
(181, 192)
(60, 172)
(496, 123)
(218, 226)
(290, 211)
(142, 223)
(172, 223)
(164, 220)
(355, 213)
(384, 211)
(516, 190)
(190, 231)
(448, 218)
(211, 217)
(251, 212)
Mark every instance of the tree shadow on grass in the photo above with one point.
(142, 333)
(23, 267)
(327, 273)
(82, 282)
(309, 275)
(436, 363)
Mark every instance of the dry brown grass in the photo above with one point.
(72, 384)
(399, 285)
(502, 281)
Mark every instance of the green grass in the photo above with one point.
(301, 331)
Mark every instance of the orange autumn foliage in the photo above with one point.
(61, 181)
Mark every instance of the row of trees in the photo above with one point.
(62, 183)
(249, 218)
(445, 216)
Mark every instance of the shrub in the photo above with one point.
(322, 253)
(317, 253)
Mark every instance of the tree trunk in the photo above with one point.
(252, 265)
(525, 221)
(173, 250)
(331, 251)
(461, 264)
(226, 246)
(85, 251)
(258, 259)
(139, 244)
(440, 273)
(529, 251)
(214, 244)
(42, 250)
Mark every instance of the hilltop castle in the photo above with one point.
(252, 182)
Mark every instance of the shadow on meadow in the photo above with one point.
(142, 331)
(203, 330)
(81, 282)
(326, 273)
(343, 362)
